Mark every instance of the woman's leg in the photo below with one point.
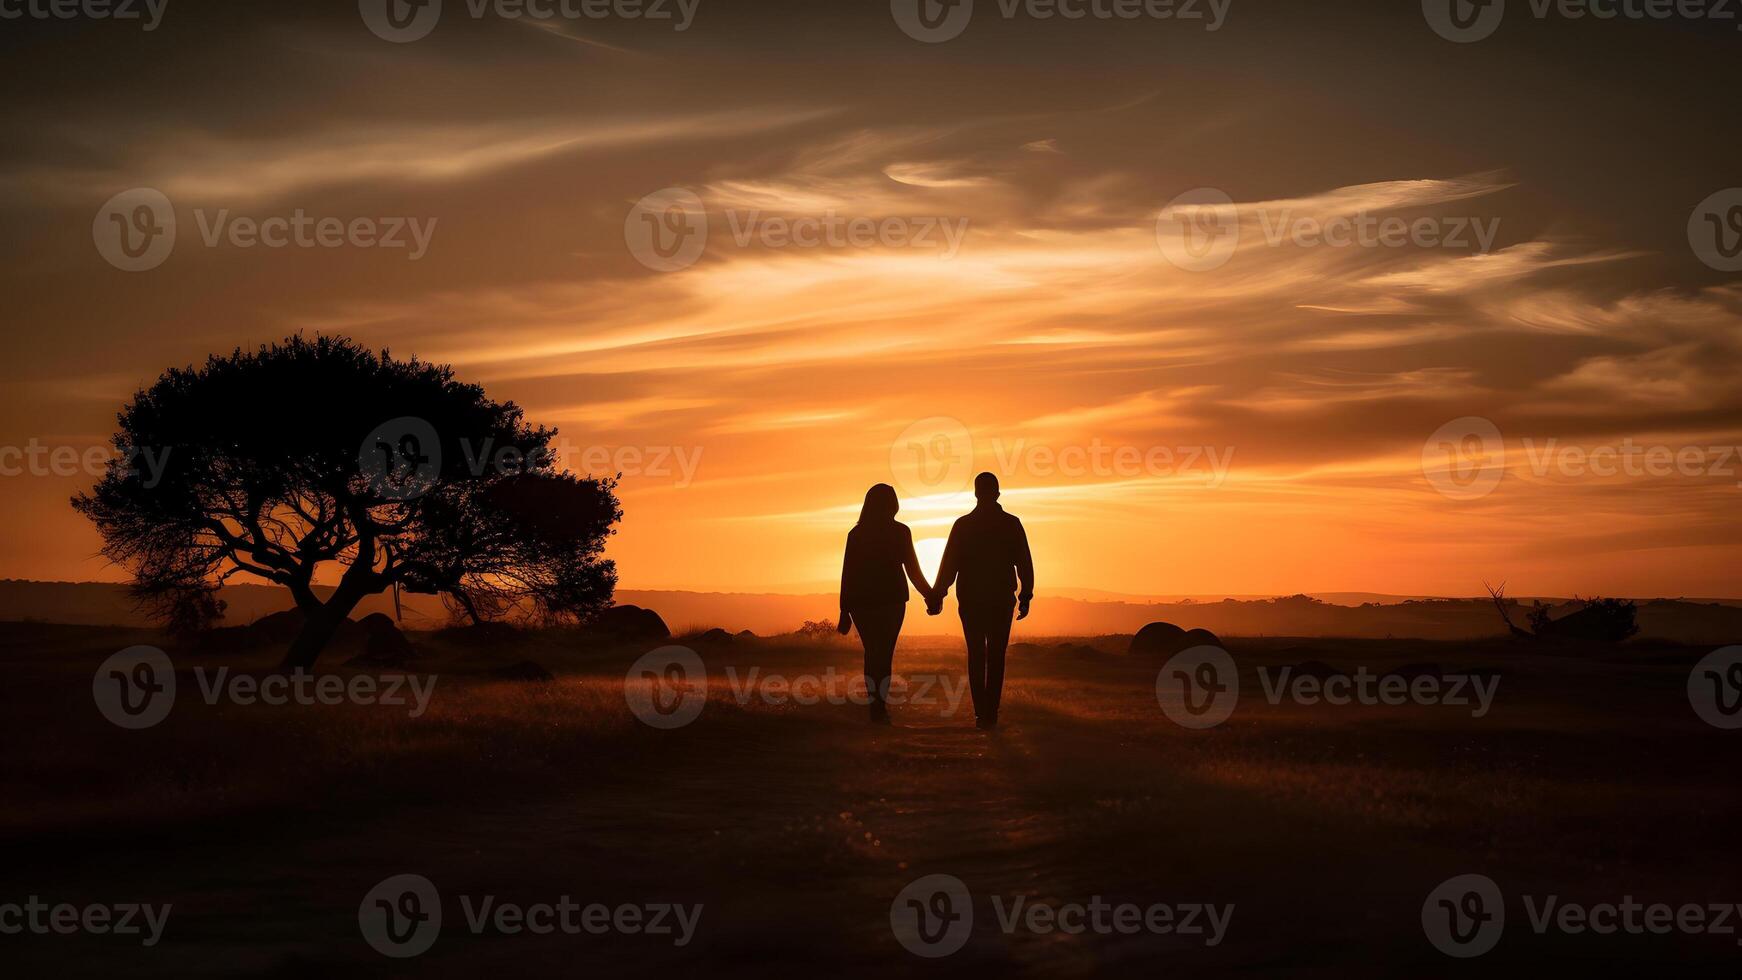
(878, 628)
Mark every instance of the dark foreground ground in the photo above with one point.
(796, 826)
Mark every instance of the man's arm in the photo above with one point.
(950, 564)
(1024, 571)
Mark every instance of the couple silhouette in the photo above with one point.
(986, 559)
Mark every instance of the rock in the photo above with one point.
(383, 644)
(744, 635)
(1165, 639)
(525, 671)
(714, 636)
(1157, 640)
(631, 623)
(1201, 638)
(280, 628)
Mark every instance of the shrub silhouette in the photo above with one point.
(318, 453)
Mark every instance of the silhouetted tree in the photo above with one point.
(1596, 620)
(817, 629)
(319, 452)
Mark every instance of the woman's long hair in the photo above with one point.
(881, 504)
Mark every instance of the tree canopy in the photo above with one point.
(314, 454)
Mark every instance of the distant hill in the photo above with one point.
(1716, 621)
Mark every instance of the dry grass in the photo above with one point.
(796, 824)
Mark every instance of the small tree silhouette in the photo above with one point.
(817, 629)
(314, 454)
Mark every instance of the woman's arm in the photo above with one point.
(910, 561)
(845, 622)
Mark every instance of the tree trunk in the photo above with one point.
(317, 629)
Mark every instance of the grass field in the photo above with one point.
(795, 826)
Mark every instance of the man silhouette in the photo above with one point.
(987, 555)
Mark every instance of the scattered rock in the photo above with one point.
(1158, 640)
(631, 623)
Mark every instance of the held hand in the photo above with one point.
(846, 623)
(1022, 610)
(934, 603)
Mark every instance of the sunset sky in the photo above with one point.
(1295, 386)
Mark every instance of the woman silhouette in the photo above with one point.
(873, 593)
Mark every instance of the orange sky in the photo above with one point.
(1258, 427)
